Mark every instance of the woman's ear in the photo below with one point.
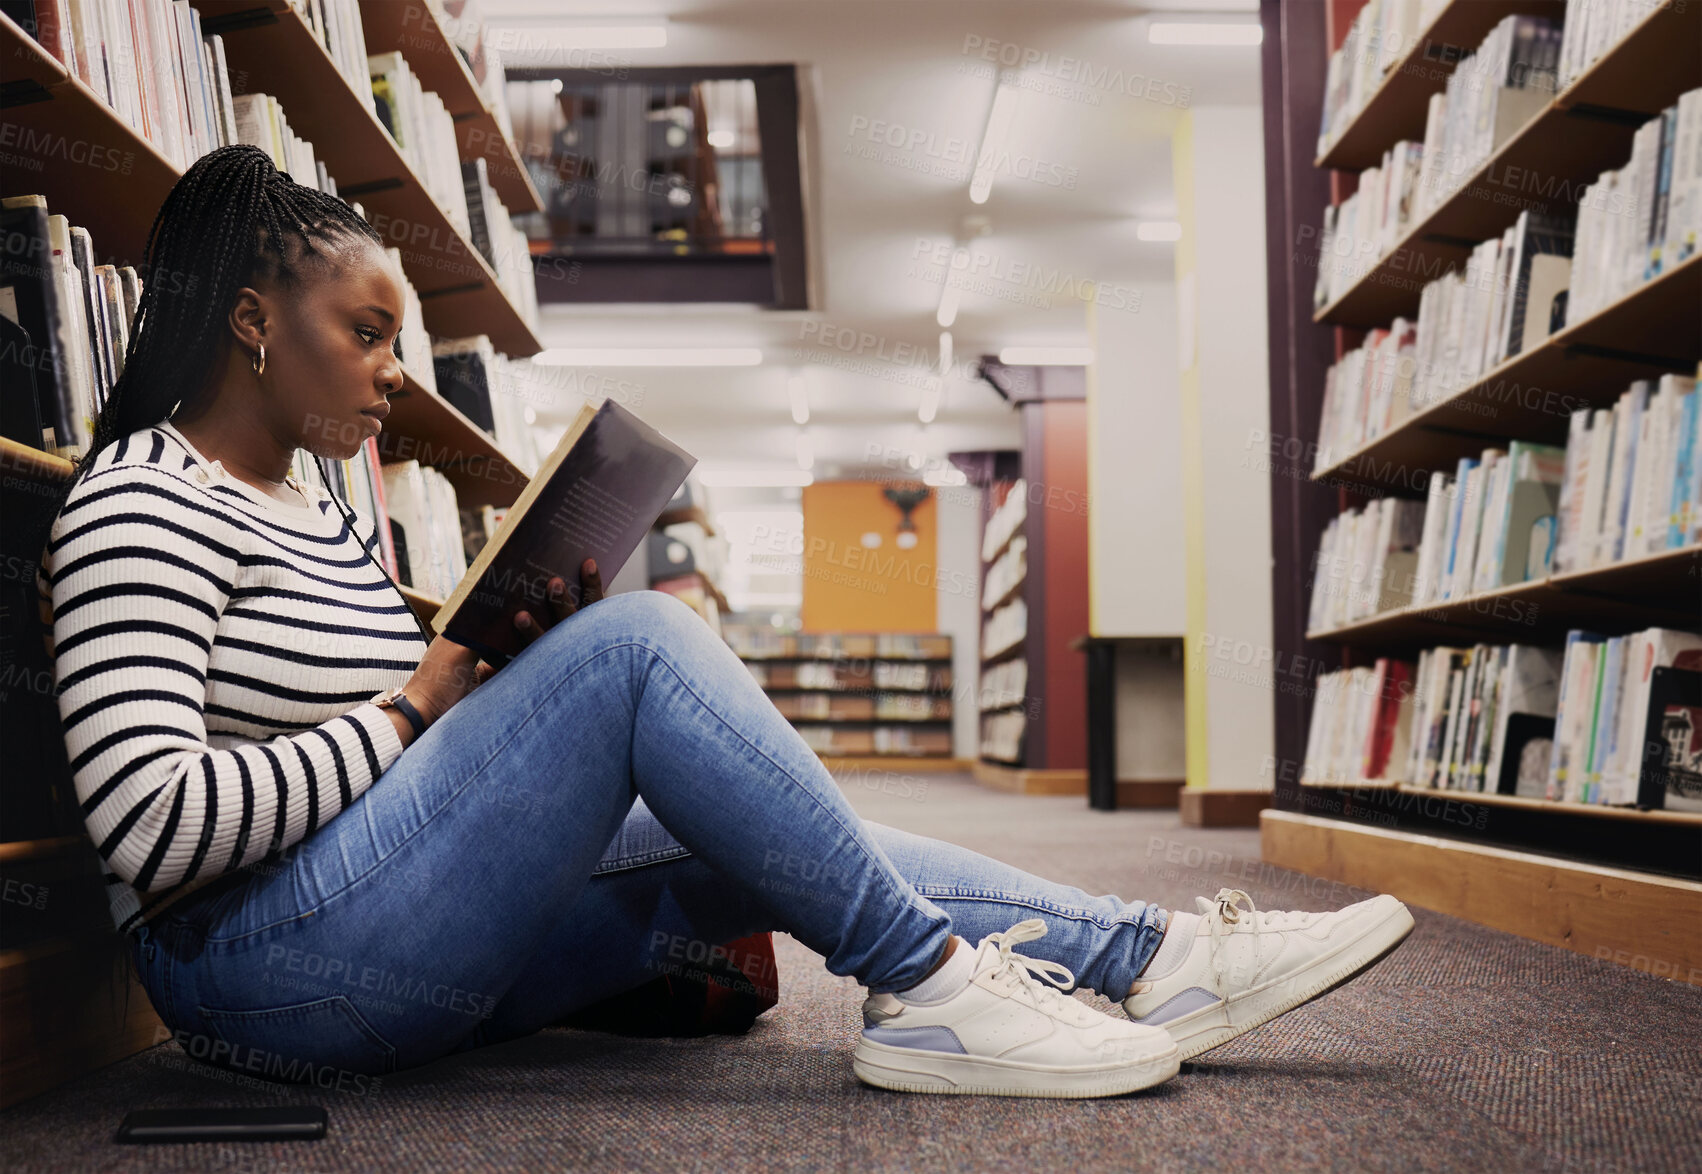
(248, 317)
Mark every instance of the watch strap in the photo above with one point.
(402, 703)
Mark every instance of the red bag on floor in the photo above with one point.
(721, 995)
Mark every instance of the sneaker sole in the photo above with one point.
(1212, 1027)
(916, 1070)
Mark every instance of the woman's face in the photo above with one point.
(330, 358)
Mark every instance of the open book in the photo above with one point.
(595, 497)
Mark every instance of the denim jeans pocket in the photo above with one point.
(325, 1042)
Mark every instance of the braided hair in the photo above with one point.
(232, 220)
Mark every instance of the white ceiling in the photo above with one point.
(879, 225)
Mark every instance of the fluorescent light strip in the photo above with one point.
(998, 125)
(767, 477)
(945, 351)
(1205, 34)
(799, 397)
(649, 357)
(806, 451)
(930, 405)
(1046, 356)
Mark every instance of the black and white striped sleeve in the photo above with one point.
(141, 569)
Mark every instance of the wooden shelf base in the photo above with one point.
(1641, 920)
(1026, 781)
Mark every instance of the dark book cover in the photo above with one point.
(27, 281)
(595, 497)
(474, 185)
(463, 380)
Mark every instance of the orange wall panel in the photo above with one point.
(849, 587)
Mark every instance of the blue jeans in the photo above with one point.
(620, 796)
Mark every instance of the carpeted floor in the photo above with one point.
(1465, 1050)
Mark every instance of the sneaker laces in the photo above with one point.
(1223, 913)
(1027, 972)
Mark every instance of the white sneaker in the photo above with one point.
(1008, 1035)
(1244, 968)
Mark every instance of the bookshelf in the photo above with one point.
(1593, 878)
(1641, 335)
(276, 53)
(1584, 130)
(882, 696)
(65, 1007)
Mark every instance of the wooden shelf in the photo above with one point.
(414, 29)
(425, 606)
(271, 50)
(1019, 703)
(11, 850)
(31, 463)
(833, 659)
(1641, 919)
(424, 426)
(1657, 590)
(690, 513)
(1653, 330)
(1543, 167)
(1396, 108)
(1553, 807)
(1008, 652)
(1020, 528)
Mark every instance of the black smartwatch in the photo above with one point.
(395, 698)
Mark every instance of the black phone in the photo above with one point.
(281, 1123)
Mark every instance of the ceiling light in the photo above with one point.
(721, 139)
(1204, 34)
(1159, 230)
(947, 313)
(992, 142)
(930, 405)
(611, 36)
(1046, 356)
(799, 396)
(649, 357)
(753, 477)
(806, 451)
(945, 351)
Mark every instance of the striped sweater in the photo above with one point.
(214, 653)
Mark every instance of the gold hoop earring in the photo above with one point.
(259, 361)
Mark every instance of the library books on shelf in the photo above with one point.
(853, 693)
(1579, 529)
(1002, 699)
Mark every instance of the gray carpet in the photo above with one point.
(1466, 1050)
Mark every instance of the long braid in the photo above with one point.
(232, 220)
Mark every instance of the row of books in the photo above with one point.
(1489, 96)
(1004, 520)
(1002, 735)
(1004, 684)
(151, 65)
(66, 322)
(1006, 573)
(898, 707)
(1005, 628)
(1645, 218)
(1544, 272)
(463, 21)
(1627, 484)
(337, 24)
(1602, 744)
(1633, 477)
(495, 392)
(424, 132)
(1569, 725)
(895, 740)
(758, 643)
(501, 242)
(1382, 32)
(1595, 26)
(894, 675)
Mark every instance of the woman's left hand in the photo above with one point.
(531, 624)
